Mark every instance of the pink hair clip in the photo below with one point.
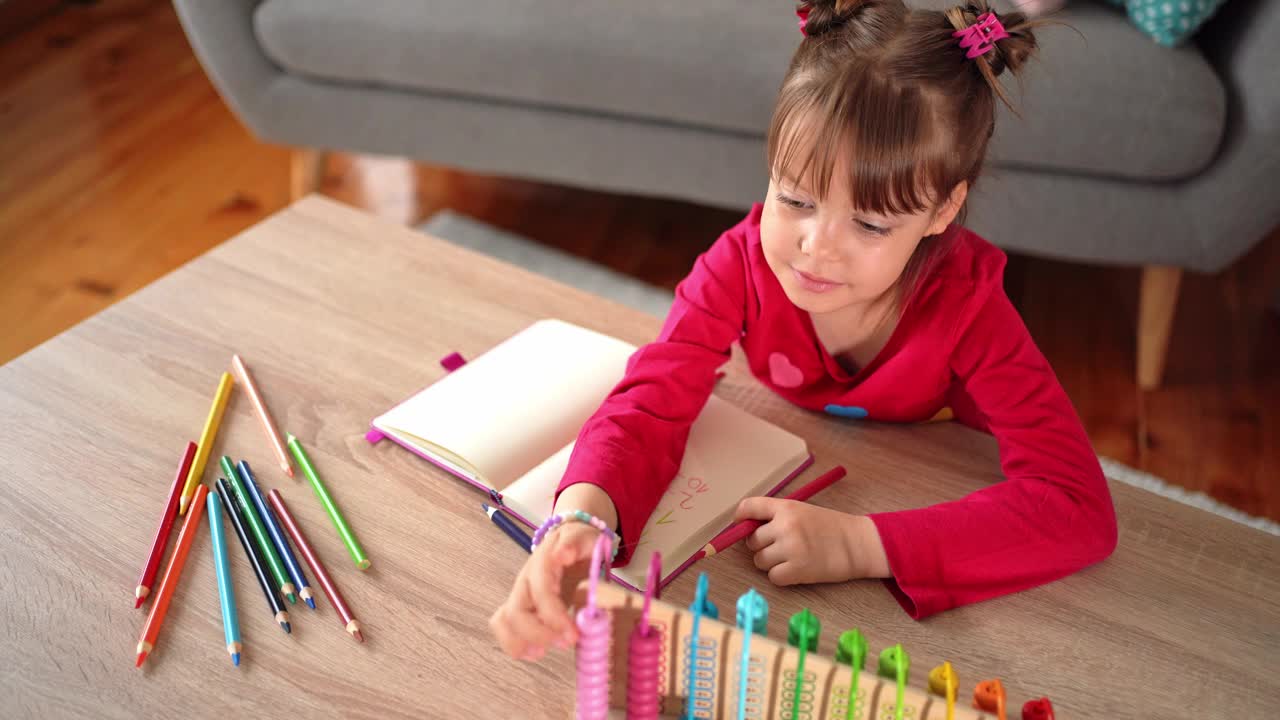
(982, 35)
(803, 14)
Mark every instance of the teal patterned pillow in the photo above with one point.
(1169, 22)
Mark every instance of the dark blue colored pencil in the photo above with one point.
(277, 534)
(508, 526)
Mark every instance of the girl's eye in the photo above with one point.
(792, 202)
(873, 229)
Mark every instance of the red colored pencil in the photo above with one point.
(190, 526)
(162, 533)
(740, 530)
(322, 576)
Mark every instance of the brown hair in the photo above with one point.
(892, 86)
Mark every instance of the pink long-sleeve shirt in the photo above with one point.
(959, 344)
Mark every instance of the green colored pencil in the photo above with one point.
(259, 531)
(339, 522)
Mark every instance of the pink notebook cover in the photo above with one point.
(455, 361)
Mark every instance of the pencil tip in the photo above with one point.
(235, 658)
(287, 470)
(293, 599)
(182, 505)
(357, 635)
(311, 603)
(286, 627)
(137, 603)
(142, 657)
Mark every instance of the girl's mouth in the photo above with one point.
(814, 283)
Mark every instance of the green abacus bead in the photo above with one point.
(894, 660)
(851, 649)
(803, 630)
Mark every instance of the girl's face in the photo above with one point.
(828, 255)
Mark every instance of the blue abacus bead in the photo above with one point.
(753, 612)
(706, 608)
(702, 604)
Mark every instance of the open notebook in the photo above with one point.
(506, 422)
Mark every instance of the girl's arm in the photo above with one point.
(631, 448)
(1051, 516)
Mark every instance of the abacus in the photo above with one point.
(690, 664)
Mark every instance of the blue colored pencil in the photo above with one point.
(277, 534)
(226, 593)
(753, 613)
(512, 530)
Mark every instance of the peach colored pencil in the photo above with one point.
(268, 424)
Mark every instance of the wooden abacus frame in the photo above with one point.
(824, 689)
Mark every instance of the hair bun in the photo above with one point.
(826, 15)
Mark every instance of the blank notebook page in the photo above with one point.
(513, 407)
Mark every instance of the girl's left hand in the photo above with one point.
(803, 543)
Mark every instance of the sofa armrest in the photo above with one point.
(1233, 201)
(221, 33)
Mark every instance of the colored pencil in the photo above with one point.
(740, 530)
(226, 593)
(509, 527)
(166, 526)
(277, 535)
(255, 559)
(268, 424)
(211, 423)
(190, 526)
(339, 522)
(259, 531)
(322, 576)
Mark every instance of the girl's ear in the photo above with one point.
(946, 213)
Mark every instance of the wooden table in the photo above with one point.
(341, 315)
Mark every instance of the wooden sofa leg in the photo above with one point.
(1156, 302)
(306, 171)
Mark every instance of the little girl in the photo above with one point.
(852, 293)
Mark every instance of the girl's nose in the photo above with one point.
(819, 241)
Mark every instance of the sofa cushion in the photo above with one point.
(1110, 104)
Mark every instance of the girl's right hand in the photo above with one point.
(536, 612)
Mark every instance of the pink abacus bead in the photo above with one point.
(644, 668)
(595, 631)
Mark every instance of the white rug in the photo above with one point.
(586, 275)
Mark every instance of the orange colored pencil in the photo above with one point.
(155, 618)
(268, 424)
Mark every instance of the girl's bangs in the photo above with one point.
(897, 163)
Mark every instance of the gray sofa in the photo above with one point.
(1127, 152)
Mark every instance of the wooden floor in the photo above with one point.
(118, 162)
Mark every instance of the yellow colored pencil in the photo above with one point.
(211, 424)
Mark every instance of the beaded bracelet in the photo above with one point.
(575, 516)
